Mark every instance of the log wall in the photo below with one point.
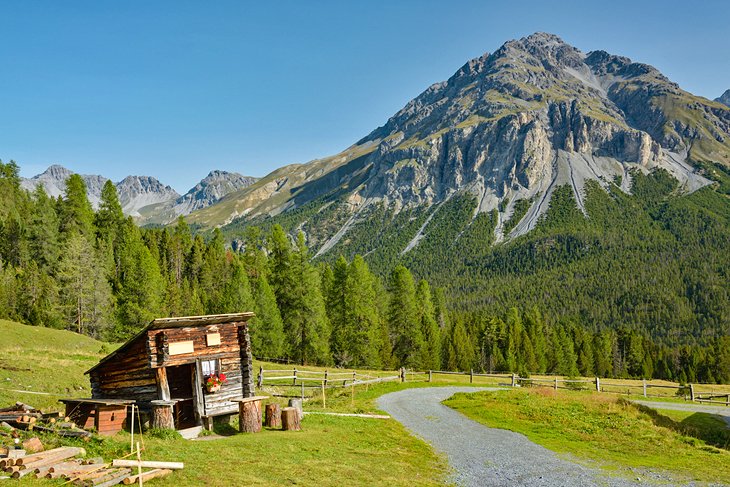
(127, 377)
(133, 373)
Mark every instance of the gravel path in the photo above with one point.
(722, 411)
(482, 456)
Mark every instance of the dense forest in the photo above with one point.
(64, 265)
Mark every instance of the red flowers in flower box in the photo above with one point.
(213, 382)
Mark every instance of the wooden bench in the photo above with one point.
(249, 413)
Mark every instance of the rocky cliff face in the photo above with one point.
(54, 179)
(508, 126)
(725, 98)
(211, 189)
(137, 192)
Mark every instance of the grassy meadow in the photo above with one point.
(608, 431)
(599, 429)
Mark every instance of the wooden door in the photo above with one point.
(180, 379)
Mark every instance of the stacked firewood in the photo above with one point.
(61, 463)
(28, 418)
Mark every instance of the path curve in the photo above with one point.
(482, 456)
(720, 411)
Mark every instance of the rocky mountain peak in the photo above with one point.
(510, 126)
(211, 189)
(725, 98)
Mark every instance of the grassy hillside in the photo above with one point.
(600, 429)
(45, 364)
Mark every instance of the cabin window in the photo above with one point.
(210, 367)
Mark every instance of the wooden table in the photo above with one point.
(107, 416)
(249, 413)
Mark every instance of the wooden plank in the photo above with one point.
(179, 348)
(148, 464)
(198, 400)
(163, 387)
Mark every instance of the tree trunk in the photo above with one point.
(290, 419)
(162, 416)
(297, 404)
(273, 416)
(250, 416)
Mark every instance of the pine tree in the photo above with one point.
(429, 327)
(362, 330)
(43, 231)
(403, 318)
(267, 328)
(85, 292)
(140, 286)
(336, 312)
(109, 218)
(77, 216)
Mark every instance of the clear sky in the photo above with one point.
(176, 89)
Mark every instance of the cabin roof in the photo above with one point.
(176, 322)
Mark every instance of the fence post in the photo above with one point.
(295, 377)
(471, 376)
(402, 374)
(325, 377)
(354, 376)
(598, 384)
(302, 384)
(692, 392)
(261, 378)
(556, 383)
(430, 375)
(514, 380)
(643, 383)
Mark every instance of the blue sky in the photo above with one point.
(176, 89)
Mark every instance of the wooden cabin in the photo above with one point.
(171, 359)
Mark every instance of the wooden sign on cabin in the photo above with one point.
(170, 361)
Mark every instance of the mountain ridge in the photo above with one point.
(507, 127)
(145, 197)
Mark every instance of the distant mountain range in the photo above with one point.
(144, 197)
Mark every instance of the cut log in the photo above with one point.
(148, 464)
(68, 452)
(151, 474)
(250, 416)
(273, 416)
(44, 454)
(114, 478)
(33, 445)
(297, 403)
(290, 419)
(162, 416)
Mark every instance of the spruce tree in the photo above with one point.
(403, 317)
(267, 328)
(77, 216)
(362, 329)
(429, 327)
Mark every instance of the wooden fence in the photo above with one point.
(598, 384)
(316, 379)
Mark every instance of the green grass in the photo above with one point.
(604, 430)
(38, 359)
(329, 451)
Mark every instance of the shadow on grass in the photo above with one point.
(703, 426)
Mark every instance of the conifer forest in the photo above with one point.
(65, 265)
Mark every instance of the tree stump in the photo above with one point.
(249, 416)
(273, 416)
(297, 404)
(162, 416)
(290, 419)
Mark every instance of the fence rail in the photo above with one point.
(315, 379)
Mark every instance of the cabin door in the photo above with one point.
(181, 379)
